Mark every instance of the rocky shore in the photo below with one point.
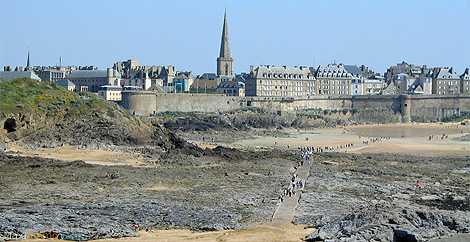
(376, 197)
(52, 196)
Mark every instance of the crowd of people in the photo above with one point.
(375, 140)
(296, 183)
(311, 149)
(444, 136)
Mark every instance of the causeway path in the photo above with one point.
(284, 214)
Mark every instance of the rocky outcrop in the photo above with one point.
(52, 196)
(241, 121)
(376, 198)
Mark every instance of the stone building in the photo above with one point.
(110, 93)
(403, 82)
(206, 82)
(357, 87)
(93, 79)
(7, 75)
(336, 79)
(236, 87)
(55, 73)
(445, 81)
(183, 80)
(423, 85)
(133, 74)
(280, 81)
(66, 84)
(409, 69)
(465, 81)
(390, 89)
(373, 86)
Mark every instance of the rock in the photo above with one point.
(345, 206)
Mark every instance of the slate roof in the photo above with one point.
(92, 73)
(281, 71)
(208, 76)
(65, 83)
(333, 71)
(157, 89)
(446, 73)
(354, 70)
(465, 75)
(7, 75)
(231, 84)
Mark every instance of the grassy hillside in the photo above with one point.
(47, 115)
(30, 96)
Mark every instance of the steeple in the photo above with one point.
(224, 42)
(225, 61)
(28, 64)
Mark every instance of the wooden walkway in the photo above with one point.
(284, 214)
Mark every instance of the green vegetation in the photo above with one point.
(331, 111)
(463, 116)
(176, 114)
(30, 96)
(253, 109)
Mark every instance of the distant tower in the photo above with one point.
(28, 63)
(225, 61)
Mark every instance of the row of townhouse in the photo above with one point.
(405, 78)
(332, 79)
(339, 79)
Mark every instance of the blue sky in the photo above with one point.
(186, 34)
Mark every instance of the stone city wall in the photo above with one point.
(403, 108)
(139, 102)
(437, 107)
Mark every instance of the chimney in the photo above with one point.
(110, 72)
(252, 68)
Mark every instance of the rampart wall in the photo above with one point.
(401, 108)
(437, 107)
(205, 103)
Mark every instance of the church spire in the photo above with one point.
(225, 61)
(224, 42)
(28, 63)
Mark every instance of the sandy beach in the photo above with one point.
(400, 138)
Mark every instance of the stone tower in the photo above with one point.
(225, 61)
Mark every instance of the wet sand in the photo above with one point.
(96, 157)
(261, 233)
(401, 138)
(258, 232)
